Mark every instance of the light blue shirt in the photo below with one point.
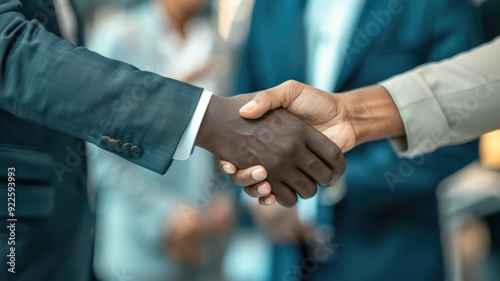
(330, 24)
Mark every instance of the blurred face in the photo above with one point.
(187, 8)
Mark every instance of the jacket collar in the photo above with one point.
(366, 32)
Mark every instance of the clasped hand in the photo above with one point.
(295, 155)
(347, 119)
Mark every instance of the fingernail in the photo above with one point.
(258, 174)
(227, 169)
(263, 189)
(268, 201)
(249, 106)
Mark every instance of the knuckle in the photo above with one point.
(293, 201)
(309, 191)
(265, 94)
(273, 163)
(250, 191)
(334, 151)
(290, 89)
(247, 179)
(340, 171)
(337, 153)
(240, 178)
(327, 177)
(288, 202)
(332, 154)
(312, 164)
(305, 188)
(299, 183)
(291, 83)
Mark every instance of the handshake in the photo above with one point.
(292, 137)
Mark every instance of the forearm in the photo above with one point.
(373, 114)
(439, 104)
(450, 102)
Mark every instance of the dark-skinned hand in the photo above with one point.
(295, 155)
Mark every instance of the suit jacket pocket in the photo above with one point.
(31, 165)
(34, 195)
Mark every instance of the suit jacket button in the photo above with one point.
(119, 145)
(111, 144)
(136, 151)
(126, 148)
(104, 140)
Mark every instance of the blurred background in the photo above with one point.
(432, 218)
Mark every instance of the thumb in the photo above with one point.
(261, 103)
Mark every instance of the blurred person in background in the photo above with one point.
(490, 10)
(386, 225)
(151, 226)
(479, 245)
(90, 8)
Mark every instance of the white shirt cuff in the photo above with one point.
(185, 147)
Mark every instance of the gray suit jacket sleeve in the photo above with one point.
(49, 81)
(450, 102)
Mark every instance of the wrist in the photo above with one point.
(372, 113)
(205, 137)
(215, 125)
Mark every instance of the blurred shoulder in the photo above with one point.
(124, 21)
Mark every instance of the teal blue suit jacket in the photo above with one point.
(53, 97)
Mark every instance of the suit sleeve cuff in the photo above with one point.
(426, 126)
(186, 145)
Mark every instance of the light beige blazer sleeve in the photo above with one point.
(450, 102)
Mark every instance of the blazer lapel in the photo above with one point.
(298, 42)
(361, 40)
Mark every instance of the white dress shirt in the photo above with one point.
(329, 25)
